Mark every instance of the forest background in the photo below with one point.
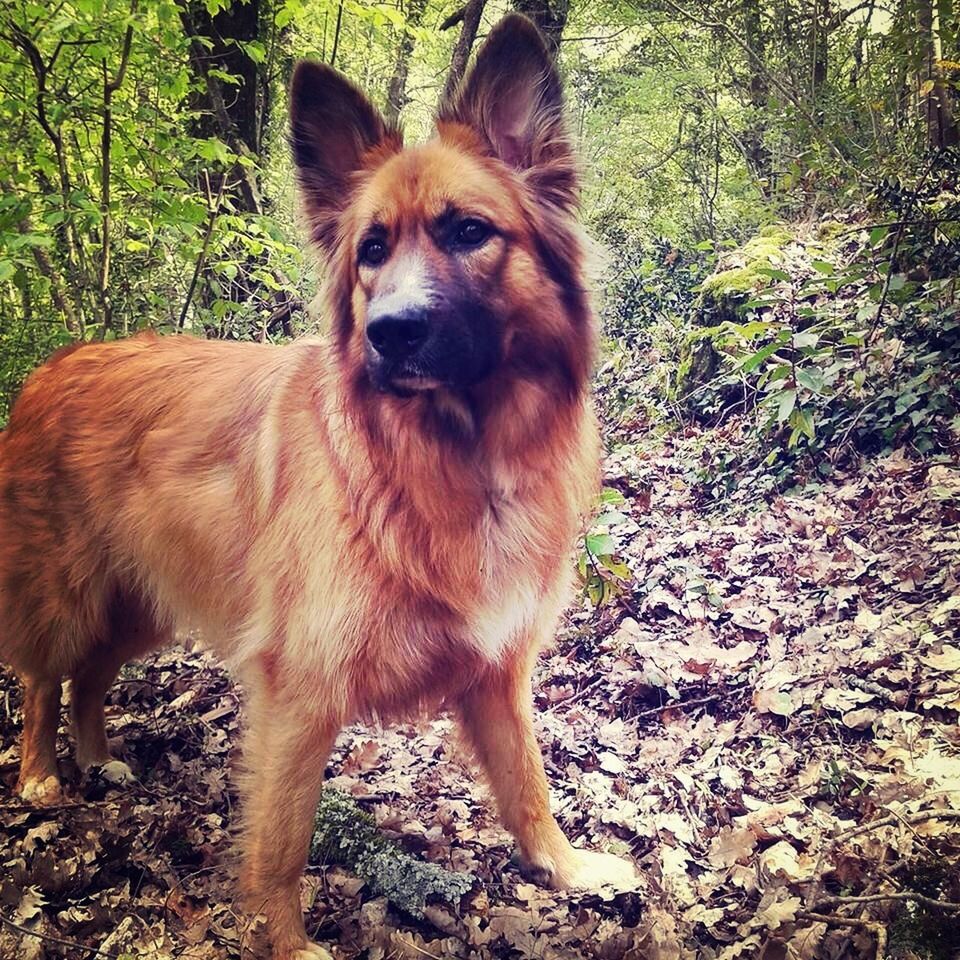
(146, 183)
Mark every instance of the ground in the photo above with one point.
(766, 722)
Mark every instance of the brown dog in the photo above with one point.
(364, 525)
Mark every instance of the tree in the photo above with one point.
(397, 89)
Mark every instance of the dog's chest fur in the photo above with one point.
(510, 575)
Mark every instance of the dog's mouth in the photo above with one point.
(415, 384)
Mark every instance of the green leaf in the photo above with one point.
(7, 270)
(802, 420)
(773, 272)
(822, 266)
(617, 567)
(811, 379)
(612, 497)
(255, 50)
(755, 359)
(788, 400)
(611, 516)
(600, 543)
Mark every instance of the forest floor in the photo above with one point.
(767, 725)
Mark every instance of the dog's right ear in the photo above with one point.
(335, 133)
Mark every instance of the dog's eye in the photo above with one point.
(372, 252)
(471, 233)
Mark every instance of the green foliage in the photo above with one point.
(856, 356)
(603, 575)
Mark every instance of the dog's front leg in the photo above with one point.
(287, 748)
(497, 716)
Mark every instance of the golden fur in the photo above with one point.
(349, 552)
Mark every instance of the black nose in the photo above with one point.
(397, 336)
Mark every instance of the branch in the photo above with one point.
(908, 896)
(57, 940)
(347, 835)
(461, 51)
(454, 18)
(213, 211)
(896, 820)
(58, 290)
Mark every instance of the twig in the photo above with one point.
(582, 692)
(907, 896)
(888, 821)
(51, 939)
(653, 711)
(213, 211)
(895, 820)
(797, 103)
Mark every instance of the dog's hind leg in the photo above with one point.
(38, 781)
(132, 631)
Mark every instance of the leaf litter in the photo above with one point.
(765, 720)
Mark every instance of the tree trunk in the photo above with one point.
(550, 16)
(819, 48)
(461, 51)
(935, 102)
(397, 90)
(757, 153)
(235, 116)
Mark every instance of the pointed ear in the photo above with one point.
(335, 133)
(512, 97)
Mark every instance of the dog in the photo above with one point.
(367, 524)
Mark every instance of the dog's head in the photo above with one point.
(457, 260)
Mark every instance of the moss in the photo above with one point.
(830, 229)
(343, 833)
(776, 231)
(699, 360)
(734, 280)
(759, 253)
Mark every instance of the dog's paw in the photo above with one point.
(312, 951)
(591, 871)
(42, 791)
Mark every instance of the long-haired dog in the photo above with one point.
(368, 524)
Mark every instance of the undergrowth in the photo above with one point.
(808, 345)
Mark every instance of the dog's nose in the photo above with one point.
(397, 336)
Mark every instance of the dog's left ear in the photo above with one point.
(513, 98)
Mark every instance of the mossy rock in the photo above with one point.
(723, 291)
(776, 231)
(830, 229)
(700, 359)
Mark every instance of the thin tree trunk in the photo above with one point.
(336, 35)
(397, 90)
(550, 17)
(461, 51)
(935, 102)
(757, 153)
(110, 87)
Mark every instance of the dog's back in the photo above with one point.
(112, 453)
